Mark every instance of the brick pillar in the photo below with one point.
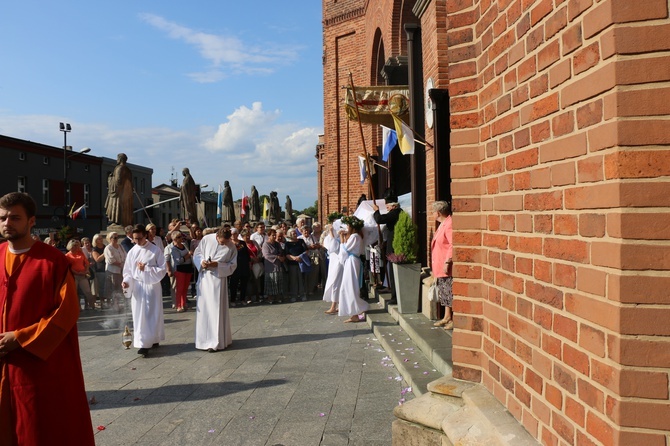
(560, 147)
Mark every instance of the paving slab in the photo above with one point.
(293, 376)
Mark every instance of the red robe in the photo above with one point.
(42, 394)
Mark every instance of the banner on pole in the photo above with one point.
(376, 105)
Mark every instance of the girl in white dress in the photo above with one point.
(332, 288)
(351, 248)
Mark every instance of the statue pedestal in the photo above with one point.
(115, 228)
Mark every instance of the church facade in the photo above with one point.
(546, 125)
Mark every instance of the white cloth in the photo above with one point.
(145, 291)
(158, 242)
(112, 257)
(260, 239)
(334, 276)
(350, 287)
(212, 323)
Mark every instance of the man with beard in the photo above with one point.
(42, 394)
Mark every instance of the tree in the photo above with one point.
(312, 210)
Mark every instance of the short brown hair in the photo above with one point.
(19, 199)
(139, 229)
(224, 233)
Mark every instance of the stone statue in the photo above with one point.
(288, 209)
(187, 197)
(228, 208)
(274, 216)
(254, 205)
(119, 202)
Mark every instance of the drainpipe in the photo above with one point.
(418, 162)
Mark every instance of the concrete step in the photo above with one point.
(406, 357)
(474, 419)
(446, 411)
(435, 342)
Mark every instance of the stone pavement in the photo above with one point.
(293, 376)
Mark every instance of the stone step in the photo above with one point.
(407, 359)
(474, 419)
(434, 342)
(446, 411)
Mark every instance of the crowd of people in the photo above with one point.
(282, 263)
(226, 266)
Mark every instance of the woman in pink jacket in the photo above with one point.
(441, 251)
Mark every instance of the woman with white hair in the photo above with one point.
(152, 236)
(441, 248)
(115, 258)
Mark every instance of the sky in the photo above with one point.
(232, 90)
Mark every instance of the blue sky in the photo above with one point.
(230, 89)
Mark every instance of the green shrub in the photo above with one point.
(405, 238)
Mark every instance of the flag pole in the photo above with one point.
(360, 128)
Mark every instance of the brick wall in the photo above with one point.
(560, 175)
(351, 31)
(561, 192)
(343, 37)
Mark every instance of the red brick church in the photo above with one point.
(548, 126)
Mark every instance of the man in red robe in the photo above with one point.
(42, 395)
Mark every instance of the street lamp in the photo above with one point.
(66, 128)
(200, 188)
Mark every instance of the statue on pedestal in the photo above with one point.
(119, 202)
(187, 197)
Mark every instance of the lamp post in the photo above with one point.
(66, 128)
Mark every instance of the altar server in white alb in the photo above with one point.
(331, 291)
(142, 273)
(351, 248)
(216, 259)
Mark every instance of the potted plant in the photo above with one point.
(406, 271)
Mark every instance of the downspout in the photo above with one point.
(418, 161)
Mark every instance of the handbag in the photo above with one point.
(433, 293)
(305, 263)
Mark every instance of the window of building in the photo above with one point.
(45, 160)
(21, 184)
(87, 192)
(45, 192)
(86, 168)
(22, 156)
(142, 183)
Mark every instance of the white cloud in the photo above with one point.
(226, 53)
(251, 148)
